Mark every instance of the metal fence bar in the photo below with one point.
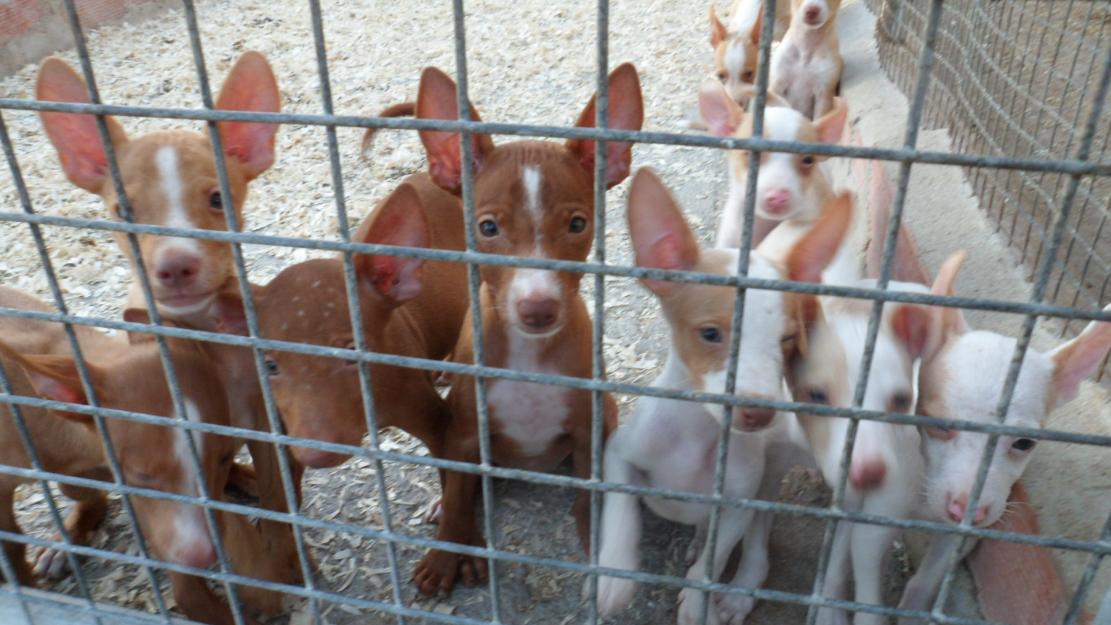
(910, 140)
(743, 257)
(474, 282)
(5, 385)
(770, 595)
(988, 161)
(1027, 331)
(352, 293)
(598, 363)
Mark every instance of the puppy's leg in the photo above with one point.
(199, 603)
(733, 523)
(837, 576)
(922, 587)
(438, 569)
(870, 545)
(751, 571)
(581, 459)
(81, 523)
(16, 552)
(619, 546)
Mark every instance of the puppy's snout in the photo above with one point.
(538, 314)
(959, 504)
(750, 418)
(178, 270)
(812, 15)
(777, 201)
(867, 474)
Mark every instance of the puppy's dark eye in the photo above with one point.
(817, 396)
(748, 76)
(216, 201)
(1024, 444)
(577, 225)
(351, 361)
(722, 76)
(710, 334)
(807, 160)
(488, 228)
(900, 402)
(272, 367)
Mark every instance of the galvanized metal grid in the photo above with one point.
(1078, 166)
(1018, 78)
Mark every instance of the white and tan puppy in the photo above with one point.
(963, 378)
(806, 66)
(790, 187)
(672, 444)
(737, 45)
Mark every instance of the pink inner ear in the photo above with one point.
(79, 149)
(52, 388)
(250, 87)
(911, 324)
(716, 112)
(1078, 359)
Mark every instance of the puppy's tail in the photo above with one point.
(401, 109)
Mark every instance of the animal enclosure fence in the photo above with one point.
(1017, 78)
(1062, 175)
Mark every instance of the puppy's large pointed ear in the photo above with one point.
(250, 86)
(436, 99)
(626, 112)
(818, 247)
(832, 125)
(952, 319)
(1078, 359)
(74, 135)
(718, 33)
(720, 112)
(661, 237)
(54, 378)
(400, 220)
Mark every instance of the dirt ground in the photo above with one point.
(375, 54)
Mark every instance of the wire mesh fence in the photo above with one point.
(1051, 184)
(1016, 78)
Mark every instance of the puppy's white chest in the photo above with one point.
(533, 415)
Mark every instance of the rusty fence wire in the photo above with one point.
(1046, 180)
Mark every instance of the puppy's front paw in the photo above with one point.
(614, 594)
(732, 609)
(690, 608)
(51, 564)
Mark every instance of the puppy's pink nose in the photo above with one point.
(959, 504)
(777, 201)
(538, 315)
(751, 418)
(812, 14)
(178, 270)
(867, 474)
(197, 553)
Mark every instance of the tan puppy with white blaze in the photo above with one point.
(790, 188)
(170, 179)
(737, 46)
(672, 444)
(806, 67)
